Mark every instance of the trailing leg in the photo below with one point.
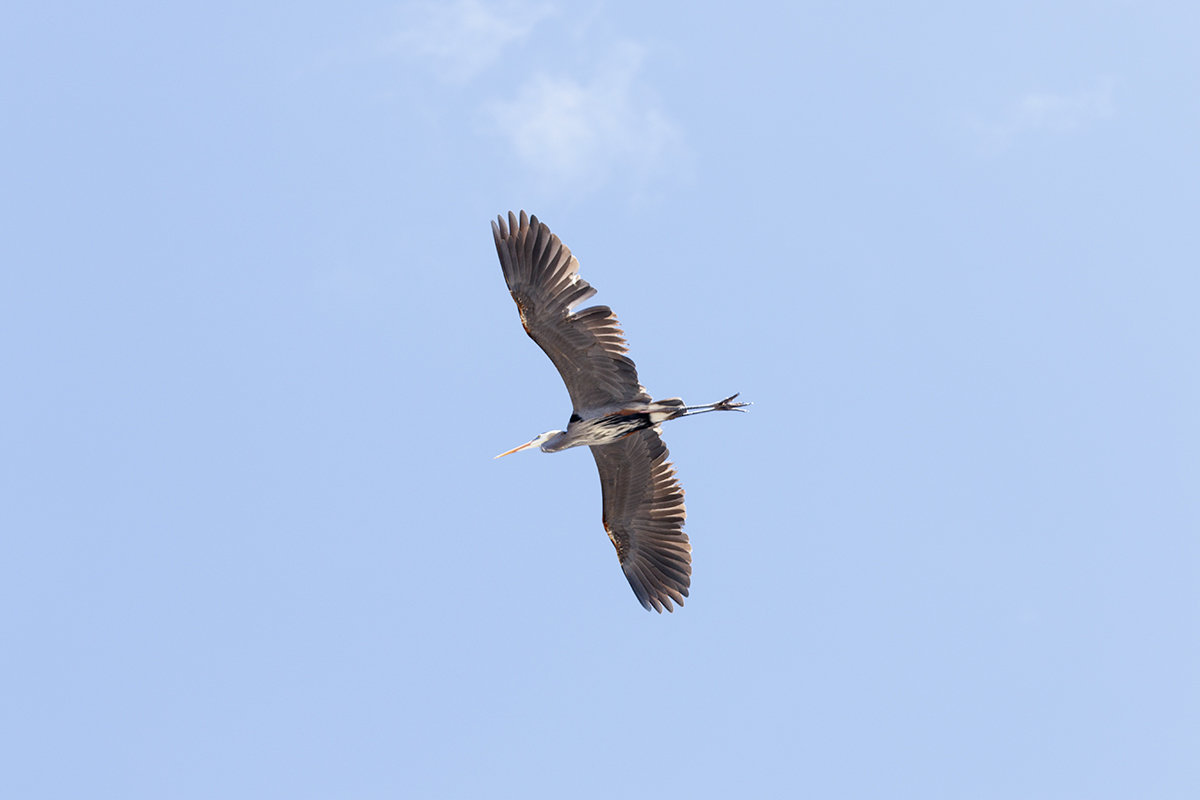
(727, 404)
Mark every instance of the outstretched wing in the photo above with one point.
(587, 347)
(643, 515)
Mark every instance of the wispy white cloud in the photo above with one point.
(1042, 111)
(1046, 112)
(567, 131)
(574, 125)
(461, 39)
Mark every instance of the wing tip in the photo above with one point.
(656, 594)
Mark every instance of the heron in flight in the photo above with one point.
(612, 413)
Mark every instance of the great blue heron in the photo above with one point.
(613, 414)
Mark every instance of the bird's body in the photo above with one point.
(603, 426)
(613, 414)
(608, 424)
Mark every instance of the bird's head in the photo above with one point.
(537, 441)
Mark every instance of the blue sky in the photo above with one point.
(258, 355)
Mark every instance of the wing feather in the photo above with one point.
(587, 347)
(644, 516)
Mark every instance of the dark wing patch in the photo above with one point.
(644, 515)
(587, 347)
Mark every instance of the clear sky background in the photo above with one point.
(258, 354)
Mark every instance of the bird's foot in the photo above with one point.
(728, 405)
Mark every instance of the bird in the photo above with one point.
(611, 411)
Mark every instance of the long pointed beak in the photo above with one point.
(515, 449)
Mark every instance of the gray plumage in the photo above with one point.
(613, 413)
